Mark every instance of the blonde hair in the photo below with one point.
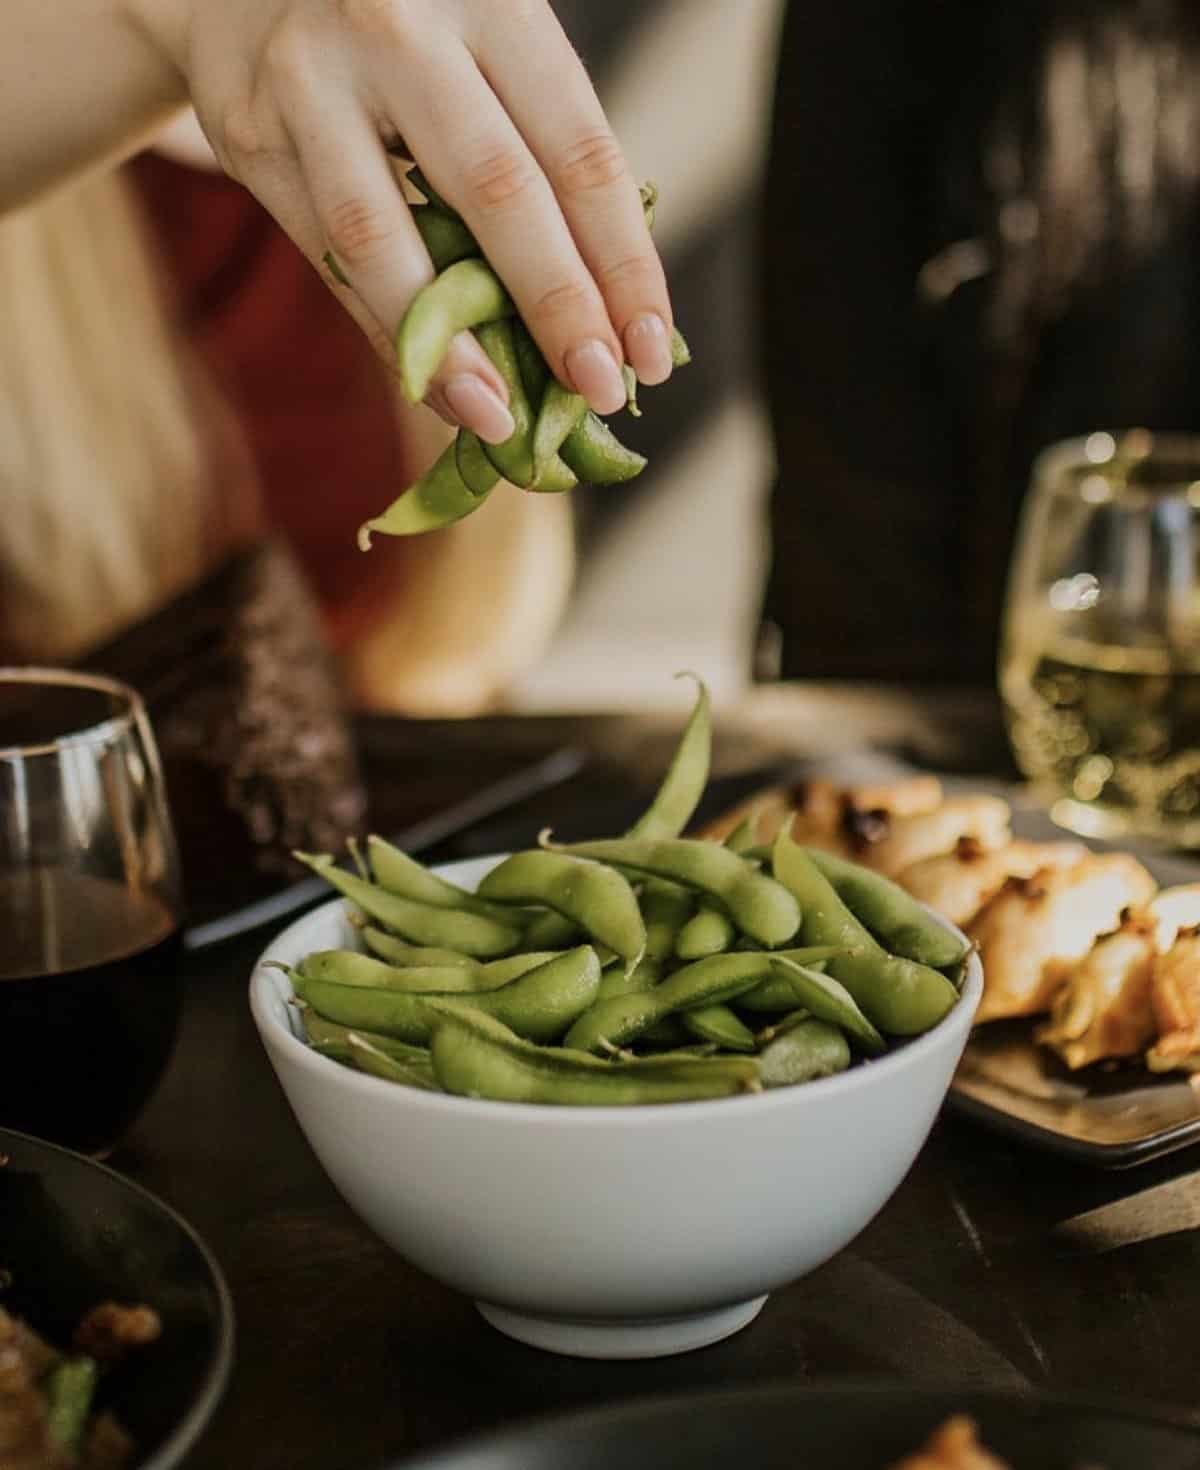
(105, 486)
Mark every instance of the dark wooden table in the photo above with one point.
(991, 1265)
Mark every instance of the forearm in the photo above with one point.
(79, 83)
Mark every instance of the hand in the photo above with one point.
(301, 100)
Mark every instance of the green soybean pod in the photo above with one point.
(349, 967)
(597, 456)
(476, 1057)
(416, 177)
(681, 353)
(719, 1024)
(535, 374)
(679, 794)
(804, 1053)
(616, 980)
(476, 470)
(366, 1057)
(894, 917)
(624, 1018)
(594, 896)
(540, 1005)
(559, 412)
(438, 499)
(552, 931)
(407, 878)
(444, 235)
(466, 295)
(793, 985)
(400, 952)
(334, 1040)
(897, 995)
(762, 908)
(741, 839)
(553, 478)
(514, 457)
(708, 932)
(471, 934)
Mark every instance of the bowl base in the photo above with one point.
(623, 1337)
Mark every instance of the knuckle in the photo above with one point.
(242, 132)
(499, 179)
(639, 273)
(561, 301)
(291, 57)
(355, 231)
(594, 161)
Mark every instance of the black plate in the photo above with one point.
(74, 1233)
(860, 1426)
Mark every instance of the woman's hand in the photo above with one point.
(301, 101)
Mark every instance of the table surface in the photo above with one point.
(992, 1264)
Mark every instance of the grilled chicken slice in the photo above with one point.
(955, 1446)
(1175, 909)
(1036, 929)
(1104, 1008)
(1176, 1000)
(828, 816)
(896, 843)
(958, 883)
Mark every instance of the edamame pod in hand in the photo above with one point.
(898, 995)
(439, 498)
(466, 295)
(475, 1057)
(444, 235)
(514, 457)
(597, 456)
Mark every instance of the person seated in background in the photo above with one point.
(980, 238)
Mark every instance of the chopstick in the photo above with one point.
(551, 770)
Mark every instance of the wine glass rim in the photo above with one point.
(102, 730)
(1101, 450)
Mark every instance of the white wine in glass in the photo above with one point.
(1100, 658)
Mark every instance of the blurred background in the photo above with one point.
(910, 246)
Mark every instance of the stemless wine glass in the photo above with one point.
(1100, 662)
(89, 908)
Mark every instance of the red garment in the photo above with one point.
(314, 403)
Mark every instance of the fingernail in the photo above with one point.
(648, 348)
(594, 372)
(476, 407)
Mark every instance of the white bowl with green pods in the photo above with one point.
(658, 1219)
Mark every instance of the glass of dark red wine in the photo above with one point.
(90, 909)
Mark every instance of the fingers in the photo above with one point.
(474, 154)
(365, 222)
(588, 173)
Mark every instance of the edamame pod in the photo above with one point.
(898, 995)
(365, 1056)
(478, 473)
(594, 896)
(539, 1005)
(333, 1039)
(514, 457)
(679, 795)
(559, 413)
(444, 235)
(464, 296)
(404, 876)
(597, 456)
(762, 908)
(349, 967)
(709, 932)
(417, 179)
(438, 499)
(791, 985)
(69, 1388)
(805, 1052)
(741, 839)
(475, 1057)
(623, 1018)
(471, 934)
(718, 1024)
(552, 931)
(894, 917)
(400, 952)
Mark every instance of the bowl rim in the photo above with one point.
(188, 1430)
(909, 1054)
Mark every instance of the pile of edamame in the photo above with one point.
(558, 440)
(646, 968)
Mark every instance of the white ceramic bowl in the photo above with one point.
(609, 1232)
